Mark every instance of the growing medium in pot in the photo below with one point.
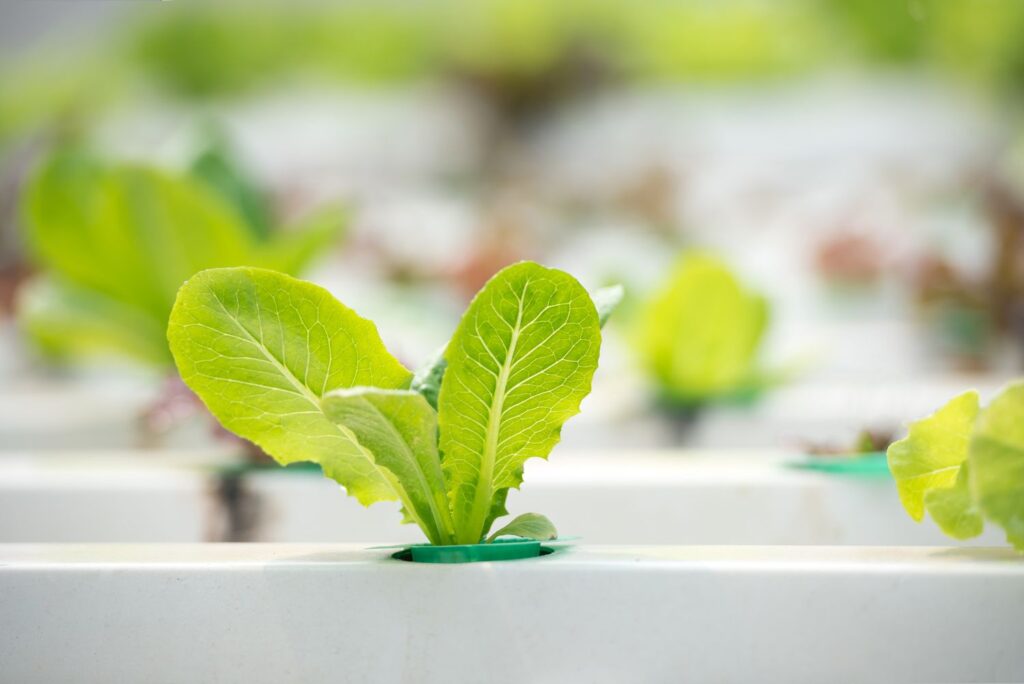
(284, 364)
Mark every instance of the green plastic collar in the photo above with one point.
(502, 549)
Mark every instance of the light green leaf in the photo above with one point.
(953, 509)
(528, 526)
(293, 249)
(606, 300)
(997, 463)
(399, 428)
(427, 380)
(930, 456)
(64, 320)
(519, 364)
(261, 349)
(699, 337)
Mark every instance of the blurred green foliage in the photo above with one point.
(880, 31)
(115, 243)
(217, 166)
(498, 36)
(982, 42)
(218, 49)
(699, 336)
(207, 50)
(706, 41)
(46, 94)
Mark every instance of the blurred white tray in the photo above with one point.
(605, 498)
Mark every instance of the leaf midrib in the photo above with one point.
(484, 489)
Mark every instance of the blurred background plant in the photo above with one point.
(700, 335)
(855, 162)
(512, 52)
(113, 242)
(116, 241)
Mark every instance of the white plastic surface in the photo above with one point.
(301, 613)
(605, 498)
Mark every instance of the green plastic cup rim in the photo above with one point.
(873, 463)
(498, 550)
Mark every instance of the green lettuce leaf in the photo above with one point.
(399, 428)
(930, 458)
(261, 349)
(528, 526)
(953, 509)
(699, 337)
(427, 379)
(997, 463)
(519, 364)
(65, 321)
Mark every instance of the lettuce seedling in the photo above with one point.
(282, 363)
(115, 243)
(965, 465)
(699, 336)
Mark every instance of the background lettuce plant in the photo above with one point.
(115, 241)
(282, 363)
(699, 336)
(965, 465)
